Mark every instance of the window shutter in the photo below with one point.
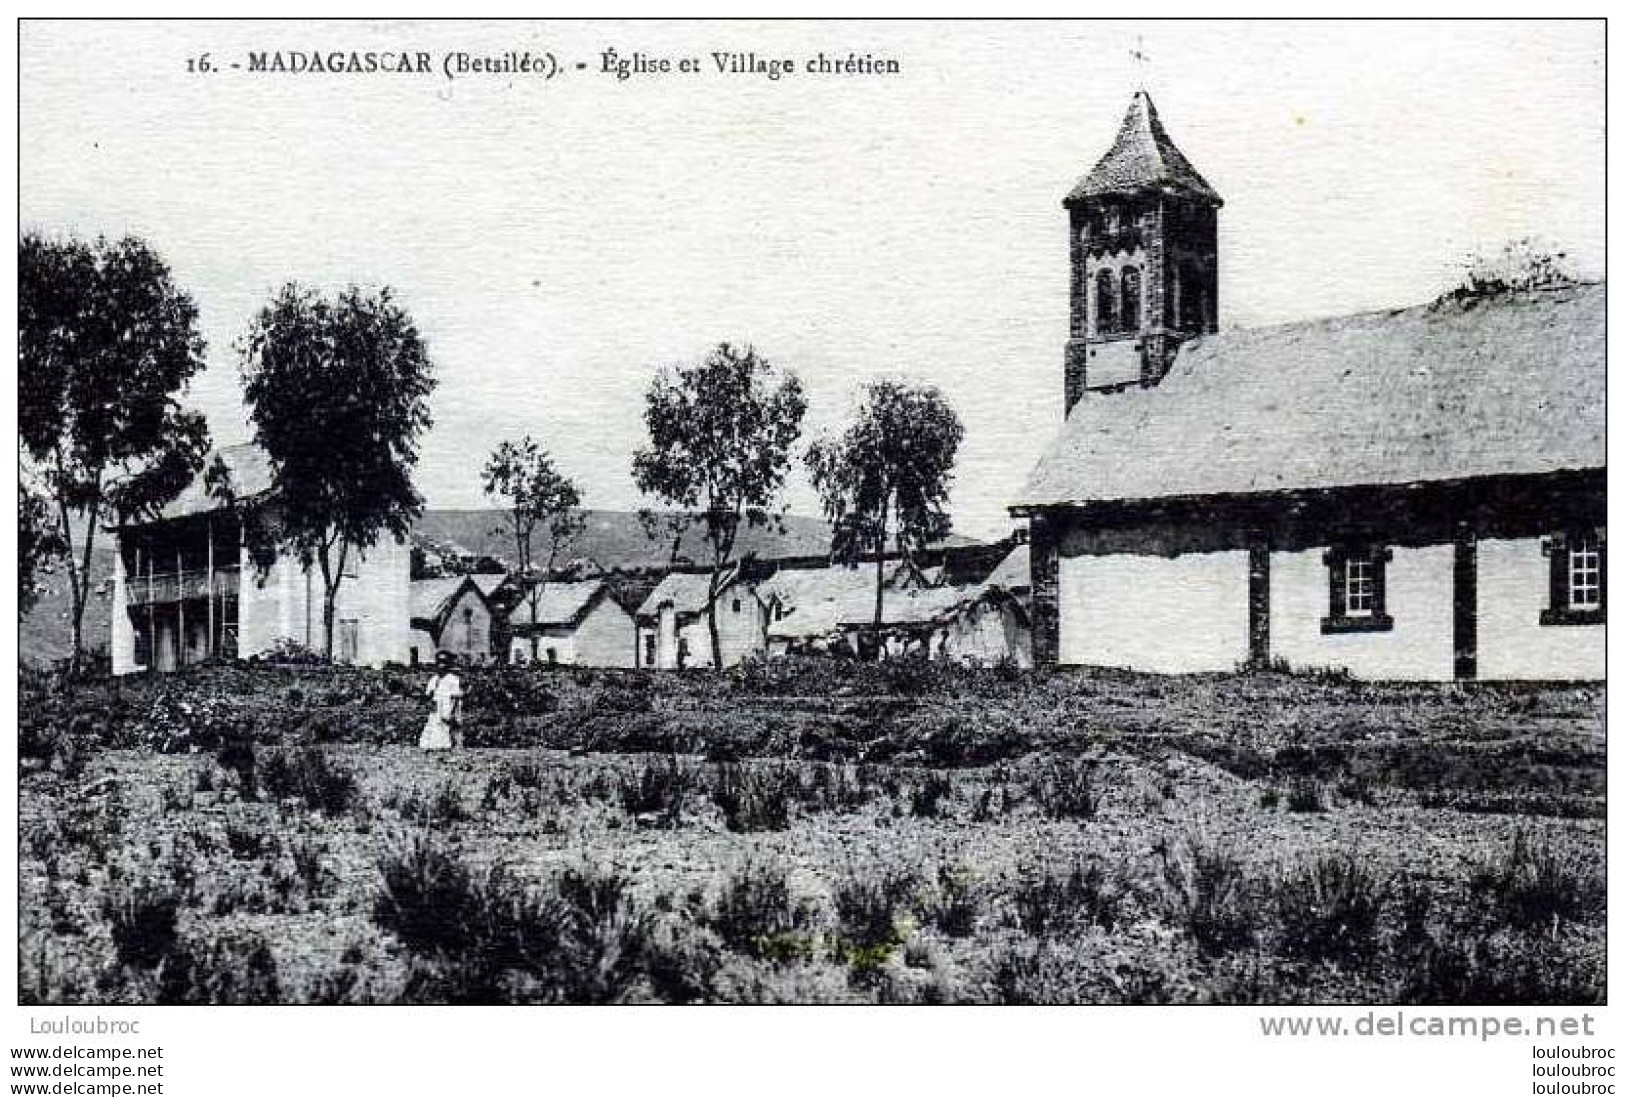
(1379, 581)
(1339, 584)
(1602, 570)
(1557, 572)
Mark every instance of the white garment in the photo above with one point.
(446, 698)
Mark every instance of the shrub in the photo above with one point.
(956, 903)
(306, 852)
(869, 908)
(1064, 788)
(754, 796)
(1205, 892)
(926, 798)
(223, 971)
(1531, 887)
(1329, 909)
(247, 842)
(236, 756)
(756, 914)
(1304, 795)
(312, 775)
(1046, 901)
(426, 894)
(837, 787)
(142, 916)
(1469, 966)
(659, 791)
(581, 939)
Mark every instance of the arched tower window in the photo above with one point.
(1105, 302)
(1130, 316)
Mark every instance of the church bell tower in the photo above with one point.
(1145, 259)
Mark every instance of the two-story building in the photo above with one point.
(185, 589)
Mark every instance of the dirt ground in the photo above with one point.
(809, 835)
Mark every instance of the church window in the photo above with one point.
(1579, 590)
(1130, 315)
(1357, 589)
(1105, 302)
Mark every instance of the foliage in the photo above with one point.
(1522, 264)
(337, 390)
(870, 907)
(106, 343)
(1047, 899)
(892, 468)
(1065, 788)
(142, 916)
(1206, 892)
(533, 493)
(310, 774)
(755, 913)
(1531, 886)
(39, 544)
(232, 970)
(720, 434)
(754, 797)
(1329, 908)
(659, 790)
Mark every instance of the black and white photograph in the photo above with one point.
(1004, 513)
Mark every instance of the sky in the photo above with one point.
(559, 240)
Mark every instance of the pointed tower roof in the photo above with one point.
(1143, 157)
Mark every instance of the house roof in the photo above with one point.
(1014, 572)
(814, 601)
(1494, 386)
(1143, 157)
(687, 591)
(561, 603)
(249, 470)
(819, 601)
(429, 600)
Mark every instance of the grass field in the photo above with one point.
(808, 832)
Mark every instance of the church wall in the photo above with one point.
(1420, 600)
(1172, 614)
(1513, 589)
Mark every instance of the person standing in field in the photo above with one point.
(443, 729)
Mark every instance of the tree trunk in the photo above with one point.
(880, 583)
(535, 596)
(329, 595)
(711, 620)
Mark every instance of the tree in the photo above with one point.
(337, 390)
(38, 543)
(1522, 264)
(534, 492)
(720, 438)
(890, 469)
(106, 344)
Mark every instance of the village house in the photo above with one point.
(578, 622)
(832, 609)
(185, 590)
(453, 615)
(1416, 494)
(672, 628)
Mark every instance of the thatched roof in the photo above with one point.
(560, 604)
(1142, 158)
(687, 591)
(430, 600)
(248, 468)
(1496, 386)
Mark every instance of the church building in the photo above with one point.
(1415, 494)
